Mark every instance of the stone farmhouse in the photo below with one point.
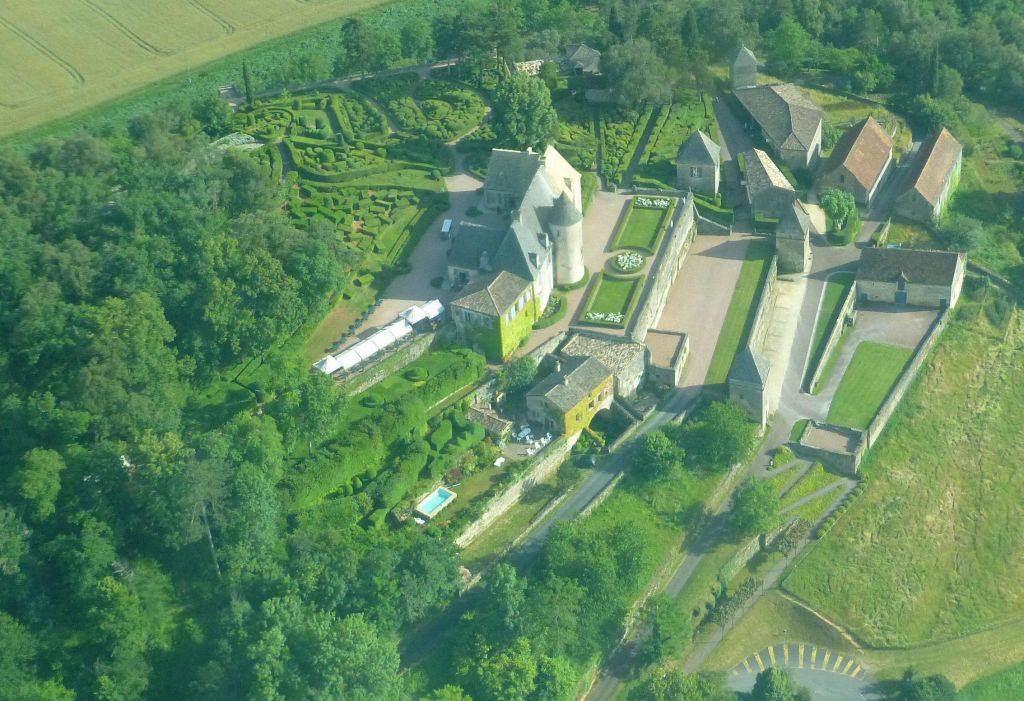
(789, 122)
(581, 59)
(860, 161)
(626, 358)
(909, 276)
(743, 70)
(769, 191)
(568, 398)
(506, 277)
(932, 179)
(697, 164)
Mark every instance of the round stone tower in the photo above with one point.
(566, 225)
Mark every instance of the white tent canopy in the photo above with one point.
(382, 339)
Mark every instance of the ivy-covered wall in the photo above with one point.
(580, 415)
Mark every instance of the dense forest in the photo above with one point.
(146, 548)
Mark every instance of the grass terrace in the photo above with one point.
(926, 552)
(873, 371)
(836, 289)
(740, 316)
(643, 227)
(611, 301)
(811, 481)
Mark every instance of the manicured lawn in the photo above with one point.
(1003, 685)
(740, 316)
(832, 300)
(910, 235)
(873, 370)
(780, 478)
(814, 479)
(611, 301)
(931, 549)
(641, 229)
(797, 430)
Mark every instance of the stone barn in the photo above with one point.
(859, 162)
(788, 120)
(932, 179)
(769, 192)
(908, 276)
(697, 164)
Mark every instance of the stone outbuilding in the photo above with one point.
(748, 378)
(769, 192)
(567, 399)
(908, 276)
(624, 357)
(788, 120)
(697, 164)
(860, 161)
(793, 240)
(582, 59)
(743, 70)
(933, 177)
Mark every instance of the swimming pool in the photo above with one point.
(435, 501)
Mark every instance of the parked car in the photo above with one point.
(446, 229)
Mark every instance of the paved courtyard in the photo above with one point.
(829, 675)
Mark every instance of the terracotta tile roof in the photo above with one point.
(865, 150)
(915, 266)
(932, 166)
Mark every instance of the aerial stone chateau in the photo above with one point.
(506, 278)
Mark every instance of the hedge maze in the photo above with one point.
(436, 109)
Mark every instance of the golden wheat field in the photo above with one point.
(61, 56)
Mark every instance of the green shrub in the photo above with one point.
(416, 374)
(370, 401)
(441, 435)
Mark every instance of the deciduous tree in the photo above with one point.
(523, 115)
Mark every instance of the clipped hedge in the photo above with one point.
(441, 435)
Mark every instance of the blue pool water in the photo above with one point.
(434, 501)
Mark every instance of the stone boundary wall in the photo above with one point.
(765, 304)
(994, 277)
(666, 266)
(386, 364)
(846, 310)
(895, 396)
(546, 465)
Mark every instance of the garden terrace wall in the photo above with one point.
(895, 396)
(385, 365)
(765, 304)
(664, 269)
(846, 316)
(549, 461)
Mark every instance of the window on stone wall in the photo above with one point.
(696, 172)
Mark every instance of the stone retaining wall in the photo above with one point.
(765, 304)
(546, 464)
(846, 315)
(666, 266)
(386, 364)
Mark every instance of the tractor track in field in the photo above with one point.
(225, 26)
(42, 48)
(123, 29)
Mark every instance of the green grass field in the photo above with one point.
(611, 300)
(1003, 685)
(931, 549)
(739, 317)
(640, 229)
(828, 314)
(103, 49)
(873, 370)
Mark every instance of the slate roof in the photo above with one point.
(565, 212)
(915, 266)
(795, 223)
(784, 114)
(617, 353)
(583, 58)
(470, 242)
(745, 57)
(750, 367)
(762, 173)
(511, 171)
(933, 163)
(492, 295)
(699, 148)
(864, 149)
(568, 387)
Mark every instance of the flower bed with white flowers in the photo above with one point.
(628, 262)
(611, 300)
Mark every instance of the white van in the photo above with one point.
(446, 229)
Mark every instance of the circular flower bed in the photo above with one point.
(628, 262)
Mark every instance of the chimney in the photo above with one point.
(558, 365)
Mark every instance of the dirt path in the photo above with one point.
(627, 178)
